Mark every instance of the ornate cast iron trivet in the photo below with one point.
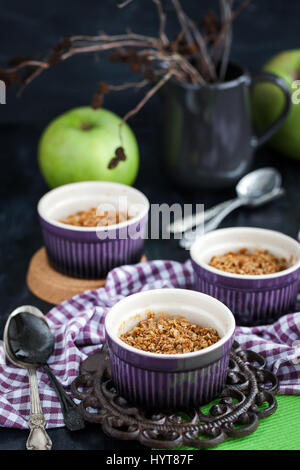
(247, 397)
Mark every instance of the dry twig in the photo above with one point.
(192, 57)
(226, 6)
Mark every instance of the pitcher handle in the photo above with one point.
(269, 77)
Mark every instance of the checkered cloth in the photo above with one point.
(78, 328)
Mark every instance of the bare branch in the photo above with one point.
(147, 97)
(203, 52)
(103, 37)
(31, 77)
(28, 63)
(126, 86)
(239, 9)
(226, 6)
(124, 4)
(229, 20)
(195, 75)
(162, 22)
(103, 47)
(182, 20)
(147, 55)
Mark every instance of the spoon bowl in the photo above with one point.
(253, 187)
(28, 337)
(258, 183)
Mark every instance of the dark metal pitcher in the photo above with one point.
(208, 137)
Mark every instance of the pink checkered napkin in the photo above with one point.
(78, 328)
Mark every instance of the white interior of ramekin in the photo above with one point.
(194, 306)
(71, 198)
(232, 239)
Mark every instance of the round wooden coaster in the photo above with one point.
(52, 286)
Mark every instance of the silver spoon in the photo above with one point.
(250, 180)
(38, 438)
(32, 342)
(253, 190)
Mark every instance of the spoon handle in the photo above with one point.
(215, 222)
(190, 236)
(38, 438)
(190, 221)
(72, 417)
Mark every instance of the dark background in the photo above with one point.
(265, 28)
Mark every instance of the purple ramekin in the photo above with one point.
(255, 299)
(168, 381)
(91, 252)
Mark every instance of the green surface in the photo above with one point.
(281, 431)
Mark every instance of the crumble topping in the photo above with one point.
(246, 262)
(93, 218)
(161, 334)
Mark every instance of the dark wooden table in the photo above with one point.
(22, 186)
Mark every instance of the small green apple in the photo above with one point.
(268, 101)
(79, 145)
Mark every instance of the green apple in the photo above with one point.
(268, 101)
(80, 144)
